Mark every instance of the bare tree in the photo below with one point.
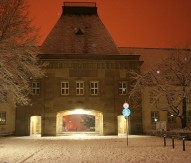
(18, 51)
(170, 82)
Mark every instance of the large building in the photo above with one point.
(86, 83)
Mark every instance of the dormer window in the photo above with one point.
(79, 31)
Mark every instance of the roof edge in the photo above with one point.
(123, 47)
(94, 57)
(79, 8)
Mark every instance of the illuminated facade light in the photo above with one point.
(79, 111)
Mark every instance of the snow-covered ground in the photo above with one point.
(104, 149)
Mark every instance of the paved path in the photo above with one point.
(113, 149)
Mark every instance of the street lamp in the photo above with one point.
(126, 112)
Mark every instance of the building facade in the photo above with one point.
(86, 82)
(153, 118)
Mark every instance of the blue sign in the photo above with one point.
(126, 112)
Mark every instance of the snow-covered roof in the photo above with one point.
(79, 31)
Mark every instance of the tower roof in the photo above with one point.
(79, 31)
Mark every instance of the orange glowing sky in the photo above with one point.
(131, 23)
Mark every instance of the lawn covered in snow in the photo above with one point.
(103, 149)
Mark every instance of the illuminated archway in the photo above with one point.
(79, 121)
(35, 125)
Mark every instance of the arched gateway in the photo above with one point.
(79, 121)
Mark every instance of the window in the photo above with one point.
(79, 87)
(94, 88)
(154, 116)
(2, 118)
(36, 88)
(65, 88)
(123, 88)
(171, 118)
(188, 116)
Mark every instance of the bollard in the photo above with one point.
(183, 143)
(164, 140)
(172, 142)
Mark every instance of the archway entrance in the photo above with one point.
(79, 121)
(35, 125)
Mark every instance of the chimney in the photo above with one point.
(79, 8)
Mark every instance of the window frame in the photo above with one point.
(155, 116)
(121, 88)
(36, 88)
(80, 89)
(65, 91)
(171, 118)
(94, 88)
(3, 118)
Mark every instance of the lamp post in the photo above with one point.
(126, 112)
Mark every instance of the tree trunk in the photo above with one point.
(184, 107)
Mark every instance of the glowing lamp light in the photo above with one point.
(156, 119)
(79, 111)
